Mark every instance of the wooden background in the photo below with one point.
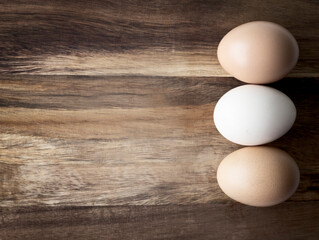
(106, 128)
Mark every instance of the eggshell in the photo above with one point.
(253, 115)
(258, 176)
(258, 52)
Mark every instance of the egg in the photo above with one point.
(258, 52)
(258, 176)
(253, 115)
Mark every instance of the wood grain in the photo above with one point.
(157, 38)
(205, 221)
(106, 128)
(71, 140)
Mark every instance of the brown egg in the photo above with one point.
(258, 52)
(258, 176)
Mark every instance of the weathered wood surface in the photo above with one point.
(106, 128)
(298, 220)
(72, 140)
(158, 37)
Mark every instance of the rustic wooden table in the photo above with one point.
(106, 127)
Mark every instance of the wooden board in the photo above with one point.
(106, 128)
(130, 140)
(157, 38)
(290, 220)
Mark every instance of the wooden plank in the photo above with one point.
(158, 38)
(71, 140)
(209, 221)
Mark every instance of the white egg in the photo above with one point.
(253, 115)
